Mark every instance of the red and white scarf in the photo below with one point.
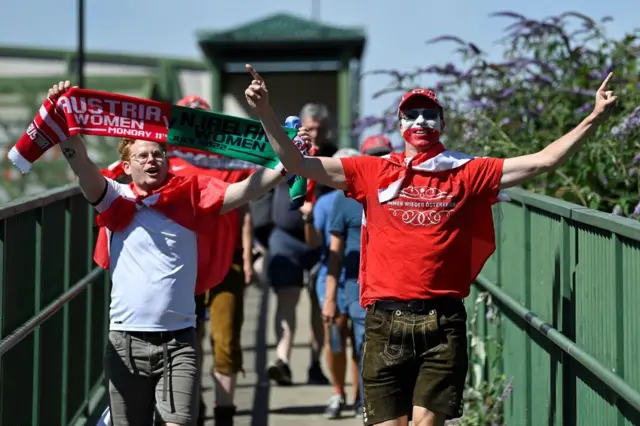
(193, 202)
(224, 237)
(89, 112)
(436, 159)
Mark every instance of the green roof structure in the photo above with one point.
(281, 36)
(282, 40)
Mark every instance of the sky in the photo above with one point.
(396, 32)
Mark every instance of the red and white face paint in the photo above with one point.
(421, 127)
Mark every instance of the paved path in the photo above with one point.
(262, 404)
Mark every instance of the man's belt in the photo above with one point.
(157, 336)
(414, 306)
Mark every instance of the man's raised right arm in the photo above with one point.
(325, 170)
(91, 181)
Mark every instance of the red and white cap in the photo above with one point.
(419, 93)
(194, 101)
(376, 145)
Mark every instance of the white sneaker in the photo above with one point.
(334, 407)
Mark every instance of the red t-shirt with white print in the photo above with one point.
(419, 243)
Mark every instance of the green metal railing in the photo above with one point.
(567, 282)
(53, 311)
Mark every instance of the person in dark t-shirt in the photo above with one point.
(291, 259)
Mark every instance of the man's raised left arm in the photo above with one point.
(246, 232)
(240, 193)
(519, 169)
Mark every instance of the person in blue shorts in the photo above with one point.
(317, 235)
(342, 293)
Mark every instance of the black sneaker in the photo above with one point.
(223, 415)
(316, 376)
(334, 407)
(356, 401)
(280, 373)
(202, 414)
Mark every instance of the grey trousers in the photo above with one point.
(149, 369)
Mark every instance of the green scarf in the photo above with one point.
(233, 137)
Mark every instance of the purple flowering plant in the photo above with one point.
(542, 87)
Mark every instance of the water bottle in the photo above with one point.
(335, 339)
(294, 122)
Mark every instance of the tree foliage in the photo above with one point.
(542, 87)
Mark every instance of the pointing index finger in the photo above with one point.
(253, 73)
(606, 81)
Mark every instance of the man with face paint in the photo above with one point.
(421, 119)
(427, 232)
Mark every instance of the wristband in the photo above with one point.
(280, 168)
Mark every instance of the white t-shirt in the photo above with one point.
(153, 264)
